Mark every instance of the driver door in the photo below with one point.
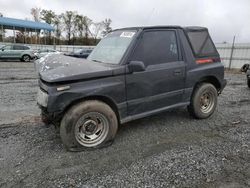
(162, 83)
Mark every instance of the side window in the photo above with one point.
(26, 48)
(201, 43)
(17, 47)
(156, 47)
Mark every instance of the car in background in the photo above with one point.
(43, 52)
(81, 53)
(17, 51)
(246, 69)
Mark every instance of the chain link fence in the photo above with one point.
(233, 56)
(61, 48)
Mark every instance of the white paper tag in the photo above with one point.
(127, 34)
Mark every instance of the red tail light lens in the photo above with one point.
(208, 60)
(202, 61)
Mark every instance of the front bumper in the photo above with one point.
(50, 118)
(42, 102)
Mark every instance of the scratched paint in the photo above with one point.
(58, 67)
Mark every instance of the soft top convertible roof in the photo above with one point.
(195, 28)
(189, 28)
(198, 38)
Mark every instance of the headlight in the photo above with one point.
(42, 98)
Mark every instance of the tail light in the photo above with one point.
(207, 60)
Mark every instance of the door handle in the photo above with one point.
(177, 72)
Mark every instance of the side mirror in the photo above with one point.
(245, 67)
(136, 66)
(2, 49)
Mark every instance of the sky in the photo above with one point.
(223, 18)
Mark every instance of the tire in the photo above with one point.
(203, 101)
(89, 124)
(26, 58)
(244, 68)
(248, 82)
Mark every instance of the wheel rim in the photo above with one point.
(91, 129)
(26, 58)
(207, 102)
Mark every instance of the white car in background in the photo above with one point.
(43, 52)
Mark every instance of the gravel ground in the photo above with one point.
(167, 150)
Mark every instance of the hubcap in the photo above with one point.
(206, 102)
(91, 129)
(26, 58)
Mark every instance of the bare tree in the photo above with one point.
(57, 25)
(48, 16)
(107, 28)
(87, 23)
(82, 26)
(79, 24)
(35, 12)
(68, 19)
(96, 30)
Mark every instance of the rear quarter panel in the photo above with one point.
(195, 72)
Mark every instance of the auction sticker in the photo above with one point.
(127, 34)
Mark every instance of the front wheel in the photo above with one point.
(26, 58)
(90, 124)
(204, 101)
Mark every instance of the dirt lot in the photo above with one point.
(167, 150)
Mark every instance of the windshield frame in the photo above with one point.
(125, 54)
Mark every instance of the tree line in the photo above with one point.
(78, 28)
(70, 27)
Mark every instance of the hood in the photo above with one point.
(59, 68)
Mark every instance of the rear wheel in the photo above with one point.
(90, 124)
(248, 82)
(26, 58)
(203, 101)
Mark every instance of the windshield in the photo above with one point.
(111, 48)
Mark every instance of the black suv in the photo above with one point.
(132, 73)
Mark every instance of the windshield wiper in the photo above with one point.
(97, 61)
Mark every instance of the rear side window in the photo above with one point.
(26, 48)
(16, 47)
(201, 43)
(156, 47)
